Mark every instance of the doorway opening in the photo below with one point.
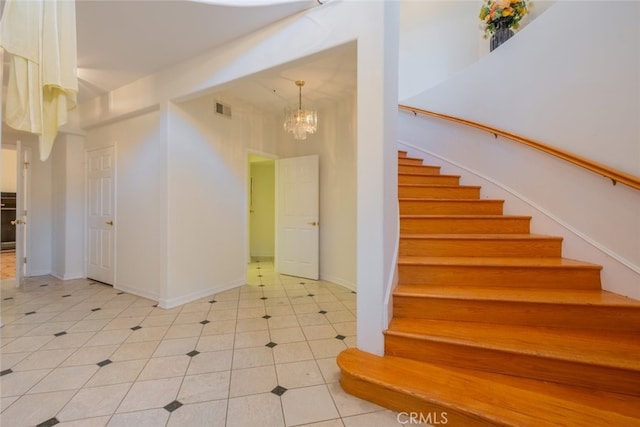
(262, 210)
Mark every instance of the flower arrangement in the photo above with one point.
(502, 14)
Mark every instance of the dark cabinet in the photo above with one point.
(8, 214)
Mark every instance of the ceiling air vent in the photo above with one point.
(223, 110)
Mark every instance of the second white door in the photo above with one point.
(297, 223)
(101, 215)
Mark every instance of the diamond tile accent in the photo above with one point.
(29, 313)
(262, 286)
(311, 295)
(340, 337)
(263, 298)
(65, 296)
(154, 305)
(258, 268)
(46, 284)
(5, 372)
(96, 309)
(322, 312)
(50, 422)
(212, 301)
(59, 334)
(302, 283)
(204, 322)
(193, 353)
(7, 298)
(135, 328)
(259, 275)
(120, 293)
(353, 292)
(173, 406)
(271, 344)
(104, 363)
(278, 390)
(266, 316)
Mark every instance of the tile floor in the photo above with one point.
(79, 353)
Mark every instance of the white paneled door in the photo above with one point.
(101, 215)
(297, 246)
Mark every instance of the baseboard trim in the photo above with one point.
(168, 303)
(67, 276)
(338, 281)
(137, 292)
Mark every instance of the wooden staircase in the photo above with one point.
(491, 325)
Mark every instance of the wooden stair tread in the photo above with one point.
(438, 186)
(453, 216)
(478, 236)
(533, 295)
(419, 174)
(612, 349)
(498, 399)
(497, 262)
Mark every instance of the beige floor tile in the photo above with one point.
(224, 305)
(86, 422)
(280, 310)
(329, 368)
(90, 355)
(210, 362)
(196, 307)
(70, 340)
(42, 359)
(247, 325)
(132, 311)
(123, 323)
(329, 423)
(257, 410)
(281, 322)
(94, 402)
(184, 331)
(287, 335)
(345, 328)
(50, 328)
(11, 330)
(148, 333)
(104, 314)
(9, 360)
(189, 318)
(135, 350)
(292, 352)
(34, 409)
(150, 394)
(158, 320)
(215, 343)
(149, 418)
(18, 383)
(117, 373)
(312, 319)
(5, 402)
(317, 332)
(88, 325)
(216, 315)
(349, 405)
(375, 419)
(252, 381)
(251, 312)
(307, 405)
(299, 374)
(327, 348)
(252, 357)
(65, 378)
(203, 387)
(23, 344)
(219, 327)
(252, 339)
(175, 347)
(165, 367)
(210, 414)
(109, 337)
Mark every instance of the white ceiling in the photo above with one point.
(122, 41)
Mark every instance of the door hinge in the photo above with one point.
(25, 260)
(26, 165)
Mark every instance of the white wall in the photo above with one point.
(262, 209)
(138, 193)
(9, 172)
(573, 90)
(374, 25)
(207, 195)
(67, 158)
(440, 38)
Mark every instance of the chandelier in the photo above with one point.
(298, 121)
